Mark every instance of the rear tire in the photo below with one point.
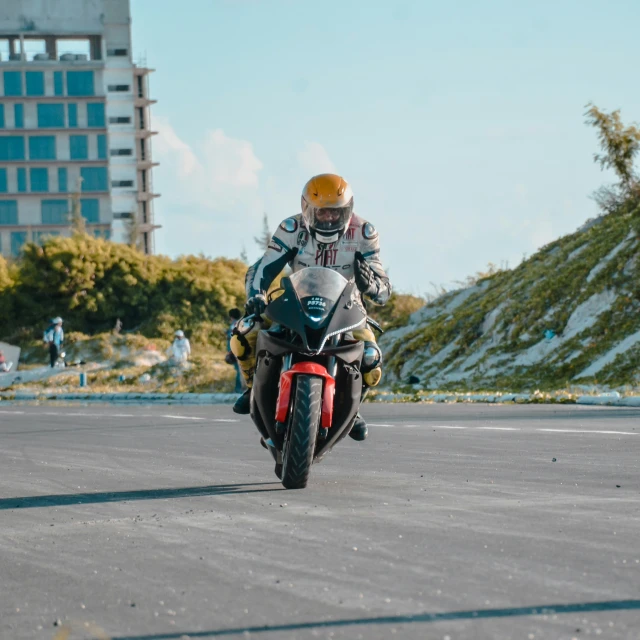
(300, 441)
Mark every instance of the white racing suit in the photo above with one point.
(293, 245)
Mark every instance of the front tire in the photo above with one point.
(300, 440)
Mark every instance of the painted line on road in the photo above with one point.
(616, 433)
(119, 415)
(499, 428)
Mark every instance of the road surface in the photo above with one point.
(449, 522)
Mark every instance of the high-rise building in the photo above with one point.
(74, 123)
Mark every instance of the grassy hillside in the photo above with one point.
(583, 287)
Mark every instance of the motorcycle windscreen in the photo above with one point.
(307, 302)
(318, 290)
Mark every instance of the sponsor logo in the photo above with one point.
(326, 257)
(303, 238)
(350, 233)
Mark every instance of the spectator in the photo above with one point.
(180, 349)
(234, 317)
(5, 366)
(54, 339)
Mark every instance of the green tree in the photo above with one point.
(77, 221)
(619, 148)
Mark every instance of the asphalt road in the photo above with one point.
(449, 522)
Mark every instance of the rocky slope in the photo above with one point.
(569, 314)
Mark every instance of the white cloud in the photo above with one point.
(210, 192)
(222, 170)
(214, 193)
(314, 159)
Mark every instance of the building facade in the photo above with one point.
(74, 123)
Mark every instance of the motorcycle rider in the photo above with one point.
(328, 234)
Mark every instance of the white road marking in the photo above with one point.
(445, 426)
(616, 433)
(423, 425)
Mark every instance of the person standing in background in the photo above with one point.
(180, 349)
(54, 339)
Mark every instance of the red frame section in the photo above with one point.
(286, 383)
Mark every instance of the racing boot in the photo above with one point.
(243, 403)
(359, 431)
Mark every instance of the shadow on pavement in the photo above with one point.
(609, 605)
(65, 499)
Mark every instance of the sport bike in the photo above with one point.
(308, 381)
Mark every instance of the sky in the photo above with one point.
(460, 125)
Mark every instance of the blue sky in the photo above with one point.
(459, 125)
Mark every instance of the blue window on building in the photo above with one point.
(22, 180)
(102, 146)
(35, 83)
(51, 115)
(78, 147)
(12, 83)
(94, 179)
(18, 115)
(21, 175)
(42, 147)
(3, 181)
(54, 212)
(73, 115)
(95, 114)
(90, 210)
(62, 180)
(11, 148)
(80, 83)
(1, 116)
(8, 212)
(39, 180)
(18, 240)
(58, 83)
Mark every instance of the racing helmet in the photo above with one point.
(327, 207)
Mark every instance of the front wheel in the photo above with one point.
(300, 440)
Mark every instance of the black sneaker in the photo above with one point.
(243, 403)
(359, 431)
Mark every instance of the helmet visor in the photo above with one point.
(327, 220)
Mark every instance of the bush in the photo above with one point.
(92, 283)
(397, 311)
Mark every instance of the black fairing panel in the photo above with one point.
(350, 352)
(265, 394)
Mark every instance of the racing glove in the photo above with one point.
(256, 305)
(364, 276)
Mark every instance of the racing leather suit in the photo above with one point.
(293, 245)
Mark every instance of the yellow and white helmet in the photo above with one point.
(327, 207)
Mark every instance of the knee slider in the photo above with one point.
(372, 378)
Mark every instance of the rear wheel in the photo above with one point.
(300, 440)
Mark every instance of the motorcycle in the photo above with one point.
(308, 381)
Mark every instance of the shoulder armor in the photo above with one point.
(369, 232)
(289, 225)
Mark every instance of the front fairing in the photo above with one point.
(316, 303)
